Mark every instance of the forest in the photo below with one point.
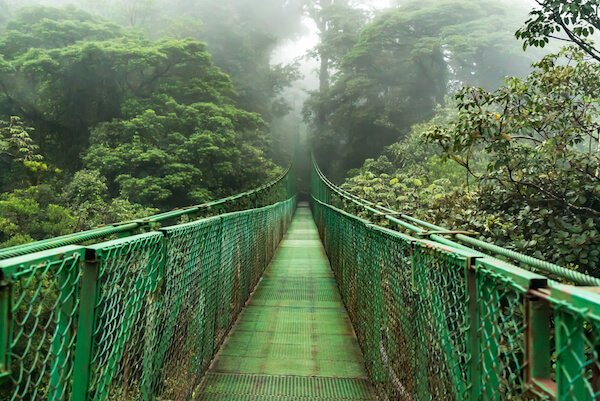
(480, 116)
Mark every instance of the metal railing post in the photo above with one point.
(85, 329)
(474, 338)
(538, 344)
(6, 325)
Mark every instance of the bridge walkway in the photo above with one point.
(294, 340)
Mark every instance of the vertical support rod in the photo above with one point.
(85, 329)
(6, 325)
(474, 340)
(537, 344)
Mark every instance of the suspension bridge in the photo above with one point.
(261, 297)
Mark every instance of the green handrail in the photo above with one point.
(139, 224)
(437, 320)
(412, 224)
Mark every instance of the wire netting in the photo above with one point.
(137, 318)
(142, 317)
(439, 323)
(129, 271)
(577, 352)
(408, 304)
(39, 292)
(502, 330)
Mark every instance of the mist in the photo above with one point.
(164, 103)
(153, 154)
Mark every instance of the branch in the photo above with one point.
(577, 40)
(563, 200)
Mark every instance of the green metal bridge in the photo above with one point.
(259, 297)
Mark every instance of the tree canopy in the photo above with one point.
(572, 21)
(402, 65)
(530, 162)
(153, 124)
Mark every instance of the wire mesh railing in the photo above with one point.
(134, 318)
(439, 321)
(328, 192)
(280, 188)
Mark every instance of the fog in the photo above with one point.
(280, 53)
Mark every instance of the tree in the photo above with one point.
(87, 198)
(20, 161)
(241, 36)
(153, 124)
(572, 21)
(339, 24)
(30, 214)
(78, 72)
(403, 64)
(540, 188)
(176, 154)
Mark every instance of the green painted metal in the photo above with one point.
(40, 311)
(350, 310)
(326, 191)
(294, 340)
(283, 187)
(438, 320)
(135, 318)
(5, 329)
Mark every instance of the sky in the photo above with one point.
(296, 48)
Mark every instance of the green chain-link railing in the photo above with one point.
(280, 188)
(139, 317)
(439, 321)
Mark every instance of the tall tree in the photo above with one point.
(69, 72)
(403, 64)
(338, 24)
(242, 35)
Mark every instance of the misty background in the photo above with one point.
(116, 109)
(293, 36)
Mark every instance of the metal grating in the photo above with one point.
(294, 341)
(261, 387)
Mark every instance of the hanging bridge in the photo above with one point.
(258, 297)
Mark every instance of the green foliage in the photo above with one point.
(48, 28)
(541, 186)
(179, 154)
(403, 65)
(66, 89)
(572, 20)
(241, 36)
(339, 24)
(541, 133)
(531, 151)
(32, 213)
(87, 197)
(20, 161)
(411, 173)
(154, 125)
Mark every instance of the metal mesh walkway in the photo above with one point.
(294, 341)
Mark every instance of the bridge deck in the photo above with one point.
(294, 340)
